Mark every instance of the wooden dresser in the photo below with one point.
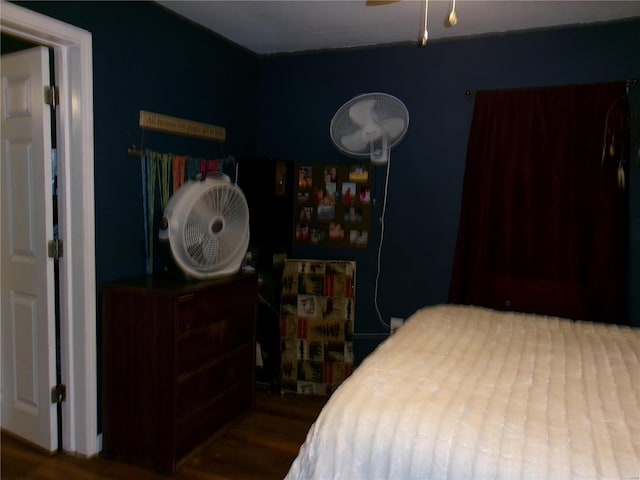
(178, 363)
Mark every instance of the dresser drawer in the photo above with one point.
(192, 429)
(207, 342)
(195, 389)
(196, 309)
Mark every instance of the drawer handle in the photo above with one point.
(186, 298)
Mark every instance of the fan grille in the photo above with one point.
(384, 109)
(214, 226)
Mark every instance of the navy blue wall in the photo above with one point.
(146, 58)
(300, 93)
(280, 106)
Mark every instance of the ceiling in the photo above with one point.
(277, 26)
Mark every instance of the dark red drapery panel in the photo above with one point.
(543, 225)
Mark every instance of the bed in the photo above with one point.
(464, 392)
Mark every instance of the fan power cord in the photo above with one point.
(268, 304)
(384, 209)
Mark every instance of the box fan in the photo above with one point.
(206, 224)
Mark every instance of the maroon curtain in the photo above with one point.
(543, 226)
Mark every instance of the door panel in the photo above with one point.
(27, 274)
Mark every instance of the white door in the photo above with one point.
(27, 278)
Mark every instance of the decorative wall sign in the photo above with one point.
(316, 324)
(180, 126)
(333, 205)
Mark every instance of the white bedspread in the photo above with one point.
(470, 393)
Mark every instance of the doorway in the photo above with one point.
(74, 75)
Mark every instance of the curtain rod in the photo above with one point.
(629, 83)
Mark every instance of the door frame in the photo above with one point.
(75, 152)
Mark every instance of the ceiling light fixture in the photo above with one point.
(425, 34)
(452, 19)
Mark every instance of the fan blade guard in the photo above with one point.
(364, 123)
(361, 112)
(207, 227)
(355, 142)
(393, 126)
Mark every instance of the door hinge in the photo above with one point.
(58, 394)
(55, 249)
(51, 96)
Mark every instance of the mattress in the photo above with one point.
(470, 393)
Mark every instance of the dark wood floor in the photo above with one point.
(260, 445)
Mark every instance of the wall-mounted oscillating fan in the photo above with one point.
(369, 125)
(207, 226)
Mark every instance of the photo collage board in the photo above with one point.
(333, 205)
(316, 324)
